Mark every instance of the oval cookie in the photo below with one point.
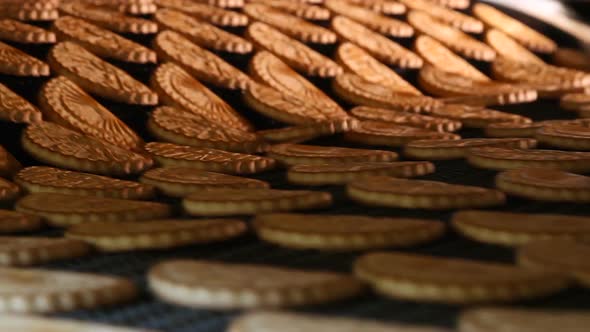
(569, 136)
(34, 323)
(454, 18)
(16, 222)
(212, 14)
(15, 108)
(299, 9)
(477, 116)
(295, 154)
(25, 251)
(510, 48)
(16, 31)
(15, 62)
(108, 19)
(406, 118)
(391, 134)
(440, 149)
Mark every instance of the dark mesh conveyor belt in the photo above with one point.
(147, 312)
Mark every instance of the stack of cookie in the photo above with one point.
(171, 147)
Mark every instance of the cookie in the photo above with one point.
(249, 201)
(571, 58)
(545, 184)
(515, 129)
(28, 14)
(393, 135)
(453, 18)
(381, 47)
(55, 145)
(456, 4)
(509, 48)
(101, 42)
(523, 320)
(439, 56)
(344, 232)
(357, 91)
(421, 194)
(406, 118)
(16, 222)
(477, 116)
(202, 33)
(66, 210)
(464, 90)
(388, 7)
(212, 14)
(47, 291)
(213, 285)
(516, 229)
(423, 278)
(371, 19)
(300, 9)
(25, 251)
(298, 134)
(504, 159)
(172, 155)
(270, 70)
(289, 24)
(560, 256)
(19, 32)
(298, 154)
(8, 190)
(575, 101)
(223, 3)
(358, 61)
(155, 234)
(441, 149)
(14, 108)
(178, 126)
(342, 173)
(42, 179)
(31, 323)
(179, 89)
(18, 63)
(133, 7)
(31, 4)
(291, 51)
(569, 136)
(182, 181)
(97, 76)
(8, 164)
(201, 63)
(514, 28)
(65, 103)
(108, 19)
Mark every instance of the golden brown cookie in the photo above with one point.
(504, 158)
(25, 251)
(406, 118)
(66, 210)
(451, 280)
(25, 12)
(133, 7)
(456, 4)
(439, 56)
(55, 145)
(515, 229)
(441, 149)
(208, 13)
(575, 101)
(37, 179)
(298, 134)
(545, 184)
(201, 63)
(205, 284)
(15, 62)
(388, 7)
(342, 173)
(8, 164)
(369, 18)
(65, 103)
(155, 234)
(47, 291)
(381, 47)
(477, 117)
(294, 53)
(223, 3)
(178, 88)
(172, 155)
(108, 19)
(390, 134)
(101, 42)
(569, 136)
(515, 129)
(289, 24)
(360, 62)
(299, 9)
(32, 323)
(98, 76)
(19, 32)
(344, 232)
(509, 48)
(202, 33)
(456, 19)
(571, 58)
(297, 154)
(356, 90)
(182, 181)
(16, 222)
(15, 108)
(514, 28)
(8, 190)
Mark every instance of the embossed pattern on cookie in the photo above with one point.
(477, 116)
(16, 62)
(379, 133)
(108, 19)
(454, 18)
(15, 108)
(388, 7)
(214, 15)
(299, 9)
(19, 32)
(406, 118)
(134, 7)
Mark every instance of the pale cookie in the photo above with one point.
(569, 136)
(203, 284)
(15, 62)
(46, 291)
(441, 149)
(98, 76)
(172, 155)
(15, 108)
(208, 13)
(61, 147)
(108, 19)
(155, 234)
(297, 154)
(293, 52)
(393, 135)
(406, 118)
(36, 324)
(66, 210)
(515, 229)
(25, 251)
(456, 4)
(65, 103)
(101, 42)
(19, 32)
(41, 179)
(345, 172)
(503, 158)
(344, 232)
(456, 19)
(182, 181)
(454, 281)
(388, 7)
(477, 117)
(299, 9)
(16, 222)
(381, 47)
(509, 48)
